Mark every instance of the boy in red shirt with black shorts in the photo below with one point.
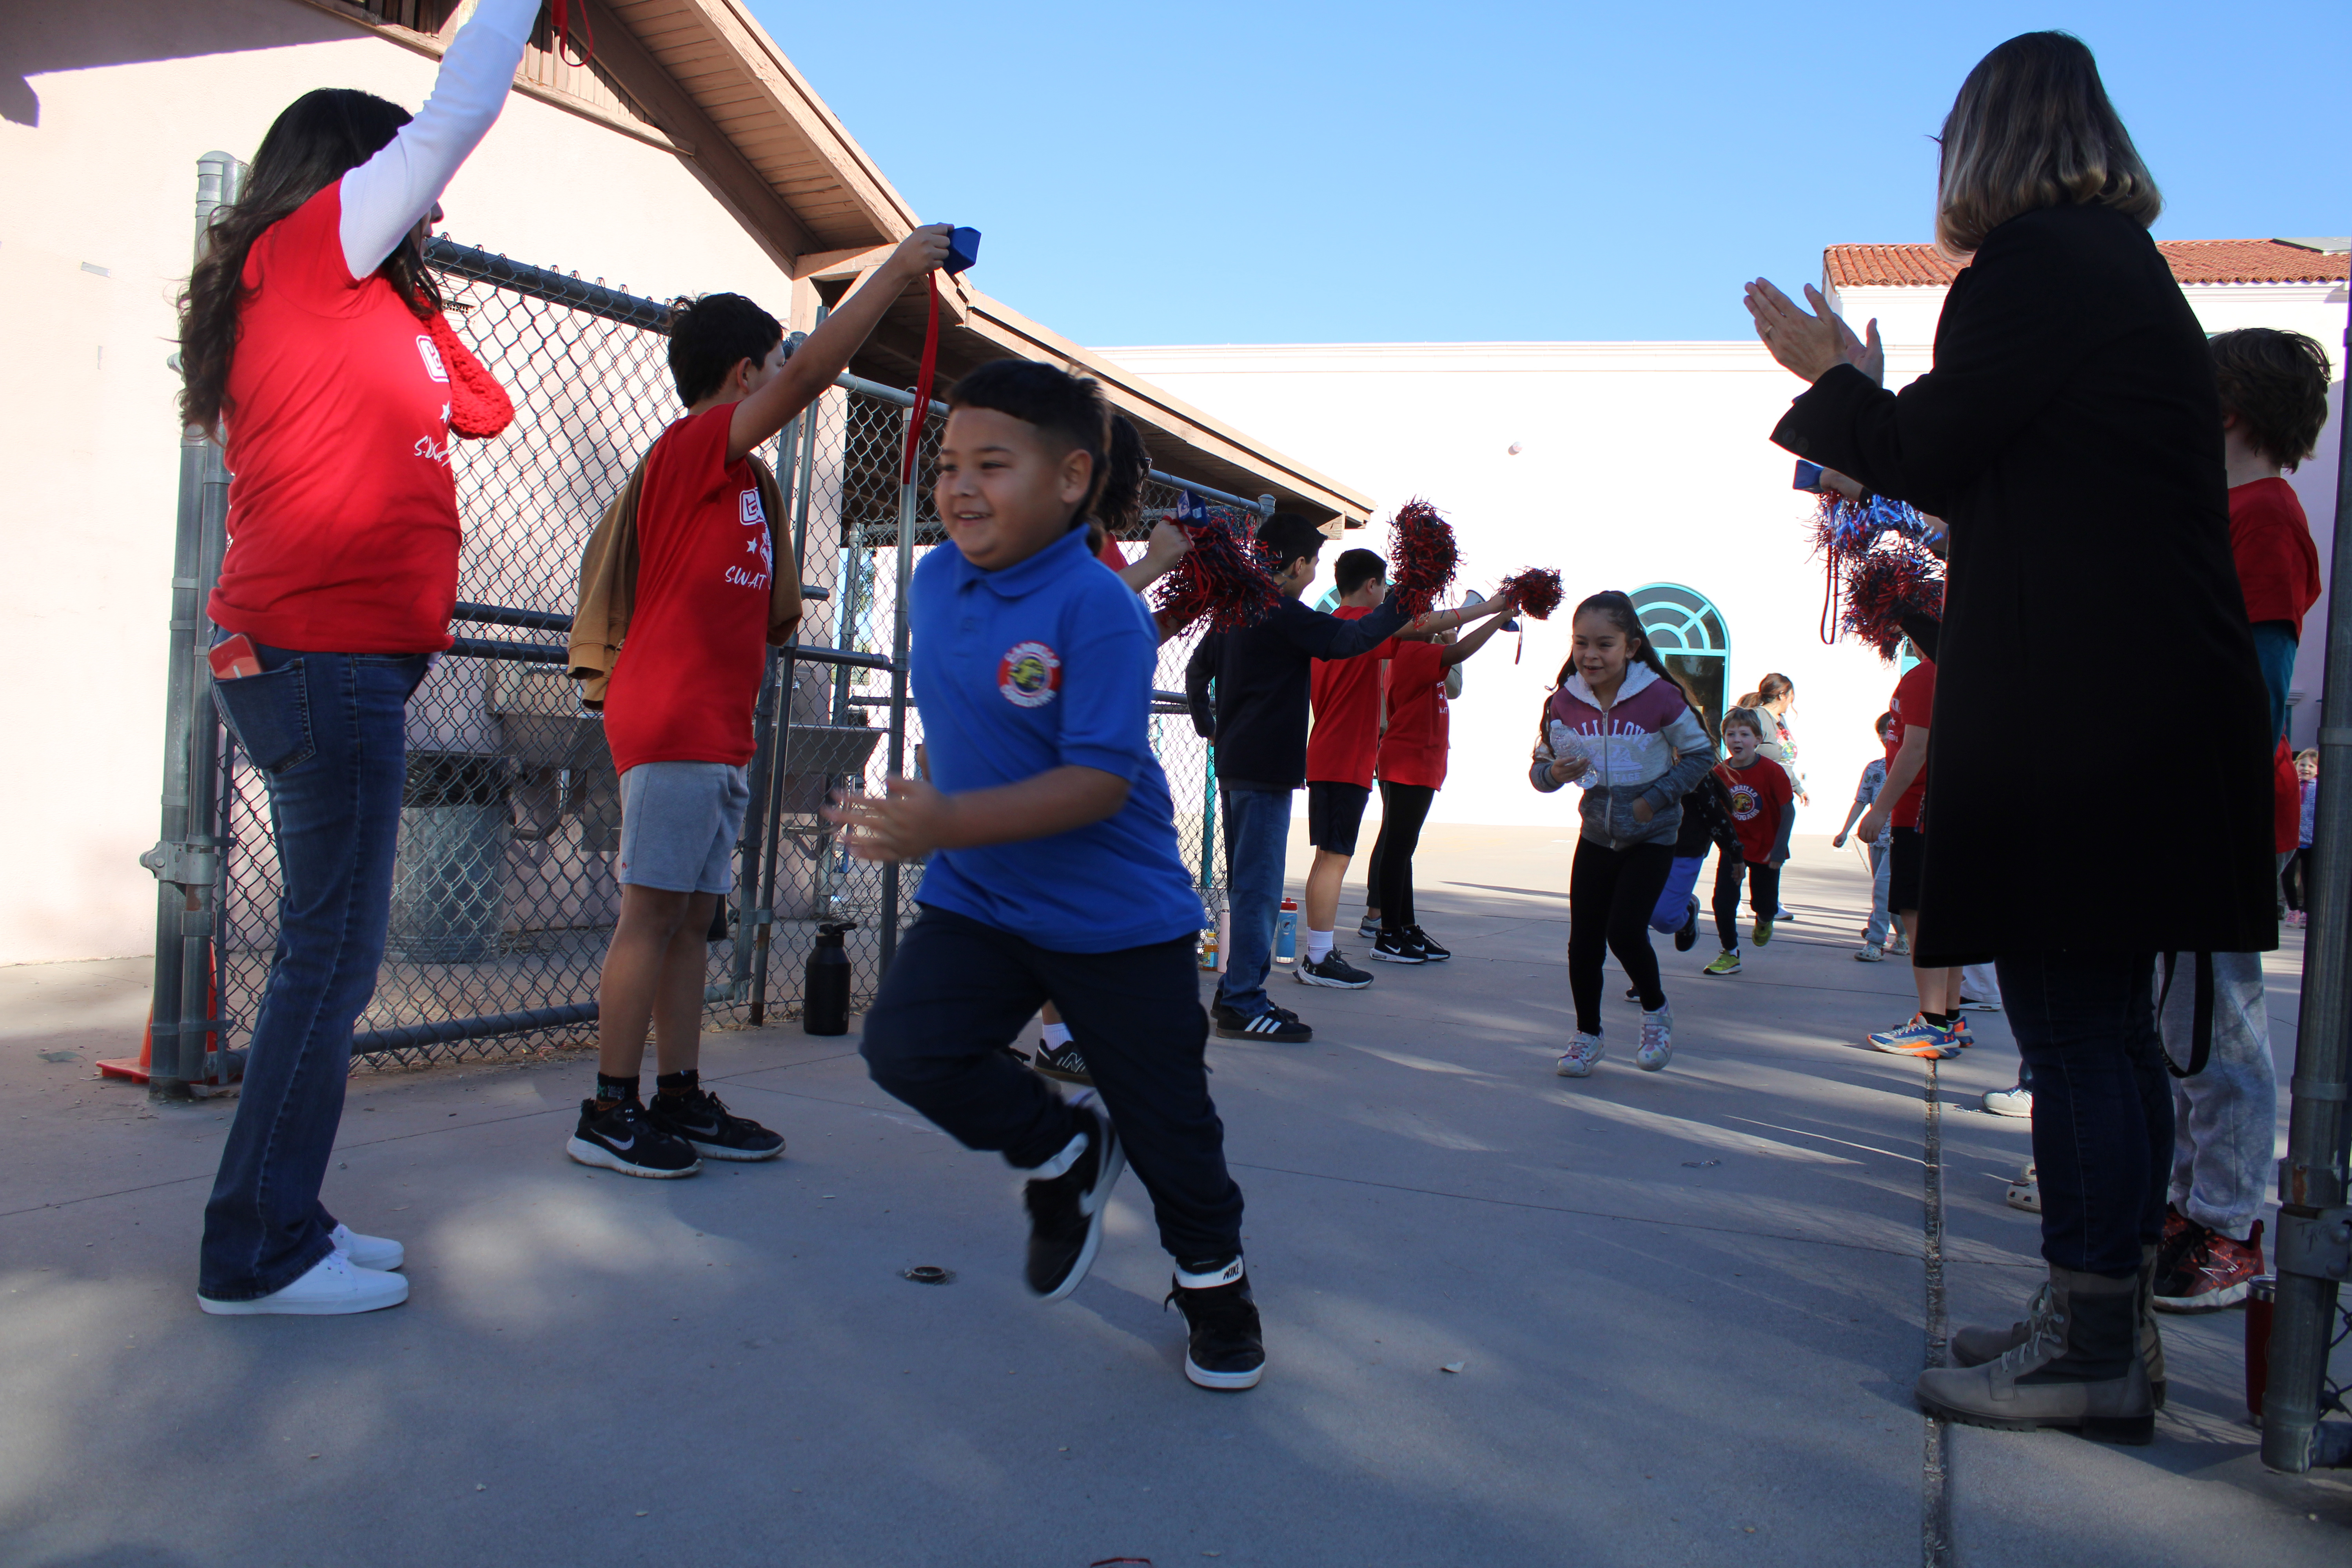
(1345, 693)
(677, 711)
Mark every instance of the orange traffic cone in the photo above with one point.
(137, 1070)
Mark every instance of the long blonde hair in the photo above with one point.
(2033, 128)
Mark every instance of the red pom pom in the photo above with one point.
(1422, 558)
(1535, 590)
(1221, 577)
(478, 407)
(1887, 584)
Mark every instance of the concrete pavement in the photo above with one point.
(1685, 1307)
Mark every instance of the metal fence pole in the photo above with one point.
(2312, 1249)
(186, 859)
(908, 494)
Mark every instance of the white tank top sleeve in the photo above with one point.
(384, 197)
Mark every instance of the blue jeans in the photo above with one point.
(2274, 648)
(2086, 1025)
(328, 731)
(1674, 909)
(1257, 848)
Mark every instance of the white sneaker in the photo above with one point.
(334, 1285)
(2025, 1192)
(1970, 1004)
(1871, 954)
(368, 1251)
(1657, 1046)
(2009, 1101)
(1584, 1054)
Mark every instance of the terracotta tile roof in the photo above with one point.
(2193, 261)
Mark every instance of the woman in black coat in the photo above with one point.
(2070, 433)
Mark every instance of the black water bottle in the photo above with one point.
(825, 1006)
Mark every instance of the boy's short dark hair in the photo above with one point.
(710, 336)
(1354, 569)
(2276, 384)
(1287, 537)
(1064, 407)
(1884, 720)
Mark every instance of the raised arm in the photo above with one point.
(825, 354)
(1456, 652)
(395, 190)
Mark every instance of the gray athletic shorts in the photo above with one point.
(680, 822)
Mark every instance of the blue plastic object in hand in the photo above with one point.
(963, 249)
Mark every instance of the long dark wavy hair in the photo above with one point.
(1617, 608)
(316, 140)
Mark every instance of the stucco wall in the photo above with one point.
(105, 107)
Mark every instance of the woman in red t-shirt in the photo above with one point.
(311, 343)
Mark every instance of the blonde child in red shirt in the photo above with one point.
(1763, 814)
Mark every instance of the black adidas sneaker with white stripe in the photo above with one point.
(1278, 1025)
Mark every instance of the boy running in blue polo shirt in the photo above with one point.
(1033, 669)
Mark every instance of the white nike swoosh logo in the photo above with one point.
(621, 1146)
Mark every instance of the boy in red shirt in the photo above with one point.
(1763, 815)
(1938, 1028)
(677, 712)
(1423, 678)
(2273, 389)
(1345, 693)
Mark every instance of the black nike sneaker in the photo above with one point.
(1430, 950)
(1065, 1209)
(617, 1135)
(700, 1118)
(1227, 1349)
(1063, 1062)
(1687, 938)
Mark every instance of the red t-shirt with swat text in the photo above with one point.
(1341, 747)
(1413, 751)
(2270, 539)
(342, 515)
(1761, 794)
(689, 669)
(1914, 701)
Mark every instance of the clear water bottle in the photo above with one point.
(1286, 932)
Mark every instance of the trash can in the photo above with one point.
(450, 867)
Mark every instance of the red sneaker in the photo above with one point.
(2213, 1271)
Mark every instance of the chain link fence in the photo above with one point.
(504, 896)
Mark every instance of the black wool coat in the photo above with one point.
(2071, 434)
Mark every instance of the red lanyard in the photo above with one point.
(922, 386)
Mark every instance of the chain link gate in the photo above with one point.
(504, 896)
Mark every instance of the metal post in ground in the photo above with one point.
(186, 859)
(908, 494)
(2312, 1248)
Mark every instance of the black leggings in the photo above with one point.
(1610, 893)
(2294, 879)
(1388, 881)
(1764, 896)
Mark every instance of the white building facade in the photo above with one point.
(1649, 467)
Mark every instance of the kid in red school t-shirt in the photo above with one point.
(688, 674)
(1914, 701)
(1413, 750)
(1760, 797)
(1345, 692)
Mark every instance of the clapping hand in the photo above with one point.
(1810, 346)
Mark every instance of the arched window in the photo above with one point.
(1690, 635)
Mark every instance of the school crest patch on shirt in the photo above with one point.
(1029, 674)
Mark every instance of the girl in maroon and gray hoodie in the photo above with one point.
(1621, 726)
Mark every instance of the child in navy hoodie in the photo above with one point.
(1619, 725)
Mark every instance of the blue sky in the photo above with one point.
(1283, 171)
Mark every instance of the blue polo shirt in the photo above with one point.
(1043, 665)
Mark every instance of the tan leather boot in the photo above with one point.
(1974, 1346)
(2079, 1367)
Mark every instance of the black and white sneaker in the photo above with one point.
(1067, 1205)
(1395, 947)
(1687, 938)
(702, 1119)
(617, 1135)
(1227, 1350)
(1334, 971)
(1063, 1062)
(1369, 927)
(1430, 950)
(1279, 1026)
